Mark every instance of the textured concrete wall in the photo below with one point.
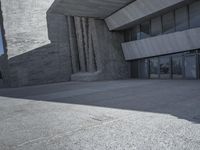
(44, 47)
(163, 44)
(100, 53)
(88, 8)
(38, 53)
(137, 10)
(25, 24)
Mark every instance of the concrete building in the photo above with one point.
(52, 41)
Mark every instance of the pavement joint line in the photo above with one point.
(72, 132)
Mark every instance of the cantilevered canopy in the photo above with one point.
(89, 8)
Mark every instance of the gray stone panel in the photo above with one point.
(25, 24)
(47, 64)
(88, 8)
(163, 44)
(138, 10)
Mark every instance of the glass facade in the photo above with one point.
(177, 66)
(143, 69)
(154, 69)
(184, 65)
(145, 30)
(168, 22)
(194, 11)
(156, 26)
(182, 19)
(165, 69)
(190, 66)
(175, 20)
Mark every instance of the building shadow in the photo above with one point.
(177, 98)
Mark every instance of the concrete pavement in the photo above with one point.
(110, 115)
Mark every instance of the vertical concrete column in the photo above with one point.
(92, 61)
(80, 42)
(86, 39)
(73, 45)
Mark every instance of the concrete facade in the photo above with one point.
(163, 44)
(139, 10)
(46, 47)
(66, 40)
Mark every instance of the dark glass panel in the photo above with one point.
(168, 22)
(165, 69)
(182, 19)
(190, 66)
(154, 68)
(194, 11)
(177, 67)
(144, 69)
(145, 30)
(156, 26)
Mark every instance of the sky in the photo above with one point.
(1, 44)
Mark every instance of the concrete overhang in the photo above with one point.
(140, 10)
(88, 8)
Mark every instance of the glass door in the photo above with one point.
(154, 69)
(177, 66)
(165, 67)
(190, 66)
(144, 69)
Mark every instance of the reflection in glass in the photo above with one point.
(168, 22)
(177, 67)
(194, 14)
(145, 30)
(154, 68)
(156, 26)
(182, 19)
(165, 72)
(190, 67)
(131, 34)
(143, 69)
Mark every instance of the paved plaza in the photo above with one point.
(109, 115)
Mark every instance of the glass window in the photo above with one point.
(143, 69)
(131, 34)
(182, 19)
(177, 67)
(138, 32)
(194, 14)
(154, 68)
(190, 66)
(134, 69)
(156, 26)
(168, 23)
(165, 69)
(145, 30)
